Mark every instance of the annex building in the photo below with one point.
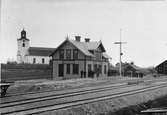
(77, 59)
(32, 55)
(162, 68)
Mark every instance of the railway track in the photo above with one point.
(90, 85)
(62, 95)
(32, 96)
(66, 101)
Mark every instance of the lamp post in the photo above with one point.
(120, 53)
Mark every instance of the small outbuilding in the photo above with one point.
(131, 70)
(162, 68)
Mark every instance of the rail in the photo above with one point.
(66, 104)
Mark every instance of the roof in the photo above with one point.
(23, 39)
(91, 45)
(106, 56)
(161, 63)
(137, 68)
(40, 51)
(84, 47)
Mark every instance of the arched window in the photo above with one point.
(23, 44)
(43, 60)
(34, 60)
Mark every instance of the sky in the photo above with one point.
(48, 22)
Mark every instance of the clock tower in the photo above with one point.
(23, 46)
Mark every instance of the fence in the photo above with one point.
(13, 72)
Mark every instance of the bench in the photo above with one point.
(4, 87)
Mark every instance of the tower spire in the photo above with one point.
(23, 33)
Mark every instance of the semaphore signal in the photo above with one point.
(120, 54)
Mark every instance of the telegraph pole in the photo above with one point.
(120, 53)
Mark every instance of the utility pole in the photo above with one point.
(120, 54)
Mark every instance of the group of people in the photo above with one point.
(90, 74)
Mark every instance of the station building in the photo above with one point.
(76, 58)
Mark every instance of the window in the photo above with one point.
(68, 69)
(43, 60)
(90, 74)
(100, 69)
(23, 44)
(95, 67)
(75, 54)
(61, 54)
(89, 67)
(34, 60)
(61, 70)
(105, 69)
(68, 54)
(75, 68)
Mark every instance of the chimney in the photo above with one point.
(78, 38)
(87, 39)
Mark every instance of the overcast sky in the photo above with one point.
(48, 22)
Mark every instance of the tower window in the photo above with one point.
(43, 60)
(34, 60)
(23, 44)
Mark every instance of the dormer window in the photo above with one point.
(23, 44)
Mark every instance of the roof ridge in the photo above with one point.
(43, 47)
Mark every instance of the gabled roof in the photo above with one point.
(84, 47)
(94, 45)
(137, 68)
(40, 51)
(161, 63)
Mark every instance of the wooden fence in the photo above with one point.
(13, 72)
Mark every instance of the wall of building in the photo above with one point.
(22, 51)
(67, 76)
(102, 74)
(82, 66)
(38, 59)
